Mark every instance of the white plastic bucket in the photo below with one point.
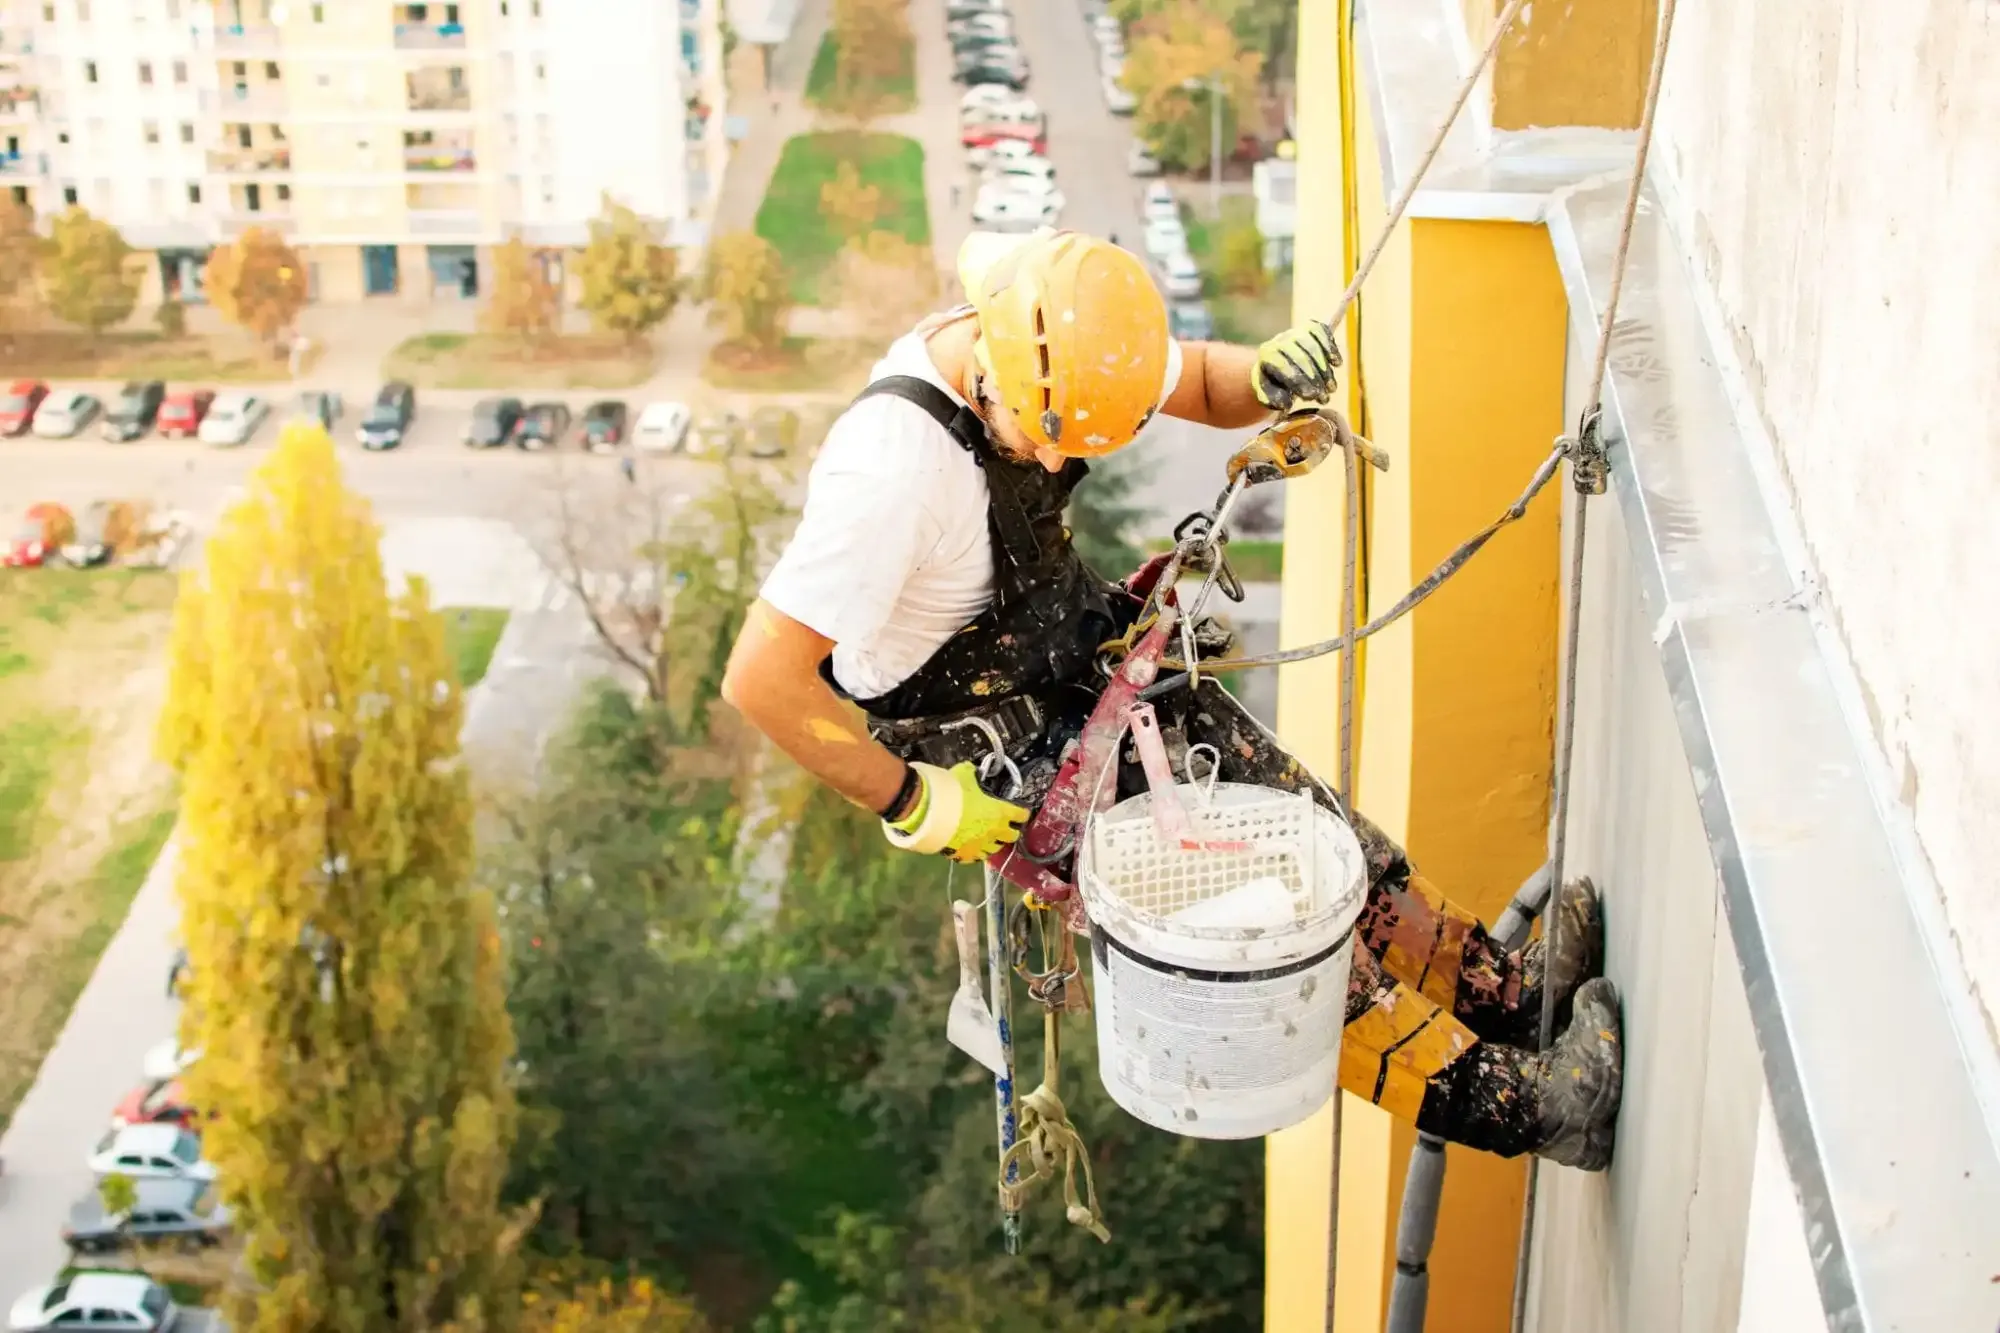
(1221, 976)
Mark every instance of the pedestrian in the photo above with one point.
(629, 468)
(956, 190)
(931, 581)
(1111, 237)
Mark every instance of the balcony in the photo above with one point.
(237, 221)
(249, 161)
(17, 164)
(245, 36)
(438, 89)
(430, 36)
(438, 157)
(464, 222)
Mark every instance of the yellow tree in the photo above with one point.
(749, 292)
(20, 260)
(631, 282)
(634, 1306)
(872, 54)
(851, 204)
(524, 304)
(257, 283)
(886, 282)
(1177, 54)
(346, 977)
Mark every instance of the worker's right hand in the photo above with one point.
(954, 816)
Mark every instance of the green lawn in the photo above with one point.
(470, 635)
(883, 97)
(1240, 317)
(791, 217)
(478, 361)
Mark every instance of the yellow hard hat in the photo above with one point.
(1073, 333)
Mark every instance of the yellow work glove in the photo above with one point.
(1296, 367)
(955, 817)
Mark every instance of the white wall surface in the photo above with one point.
(1780, 1293)
(617, 107)
(1833, 168)
(1655, 1245)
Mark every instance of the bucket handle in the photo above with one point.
(1170, 818)
(1205, 788)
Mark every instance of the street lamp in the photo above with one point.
(1213, 87)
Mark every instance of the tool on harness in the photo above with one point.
(970, 1025)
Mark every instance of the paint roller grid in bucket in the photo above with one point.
(1159, 880)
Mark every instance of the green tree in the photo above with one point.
(257, 283)
(631, 281)
(346, 976)
(748, 290)
(1177, 52)
(524, 305)
(1105, 519)
(872, 55)
(85, 274)
(119, 1194)
(21, 252)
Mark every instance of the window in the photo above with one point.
(319, 13)
(21, 195)
(284, 193)
(541, 70)
(194, 192)
(534, 8)
(83, 11)
(187, 131)
(324, 79)
(69, 194)
(180, 71)
(152, 131)
(242, 136)
(271, 70)
(90, 71)
(48, 13)
(145, 71)
(62, 136)
(503, 8)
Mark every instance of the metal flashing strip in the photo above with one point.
(1875, 1102)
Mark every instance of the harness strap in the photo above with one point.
(1013, 531)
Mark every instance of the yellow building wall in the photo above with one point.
(339, 271)
(1462, 333)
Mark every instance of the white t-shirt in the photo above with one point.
(891, 556)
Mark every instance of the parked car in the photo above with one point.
(1118, 100)
(1140, 162)
(167, 1060)
(717, 436)
(1159, 202)
(1105, 27)
(1003, 207)
(156, 1103)
(1034, 187)
(1180, 277)
(43, 531)
(388, 419)
(542, 426)
(134, 410)
(662, 428)
(1006, 148)
(233, 418)
(17, 408)
(181, 415)
(95, 1301)
(987, 69)
(774, 432)
(1165, 236)
(963, 9)
(994, 102)
(493, 422)
(151, 1152)
(320, 405)
(65, 412)
(1190, 321)
(603, 426)
(1022, 172)
(163, 1210)
(106, 528)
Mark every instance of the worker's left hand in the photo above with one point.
(1296, 367)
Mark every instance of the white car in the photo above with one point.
(1165, 236)
(65, 412)
(1032, 168)
(167, 1060)
(1106, 29)
(1120, 102)
(982, 96)
(95, 1301)
(233, 418)
(998, 206)
(662, 427)
(1033, 187)
(1140, 162)
(1111, 65)
(154, 1151)
(1180, 277)
(1160, 203)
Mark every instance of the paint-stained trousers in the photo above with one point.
(1427, 982)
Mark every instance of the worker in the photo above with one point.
(931, 580)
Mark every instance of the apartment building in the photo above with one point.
(393, 143)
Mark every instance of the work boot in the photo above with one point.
(1576, 919)
(1561, 1105)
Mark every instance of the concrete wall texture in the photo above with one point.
(1837, 203)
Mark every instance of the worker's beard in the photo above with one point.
(987, 404)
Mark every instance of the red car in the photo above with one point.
(985, 136)
(163, 1102)
(17, 408)
(180, 416)
(44, 531)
